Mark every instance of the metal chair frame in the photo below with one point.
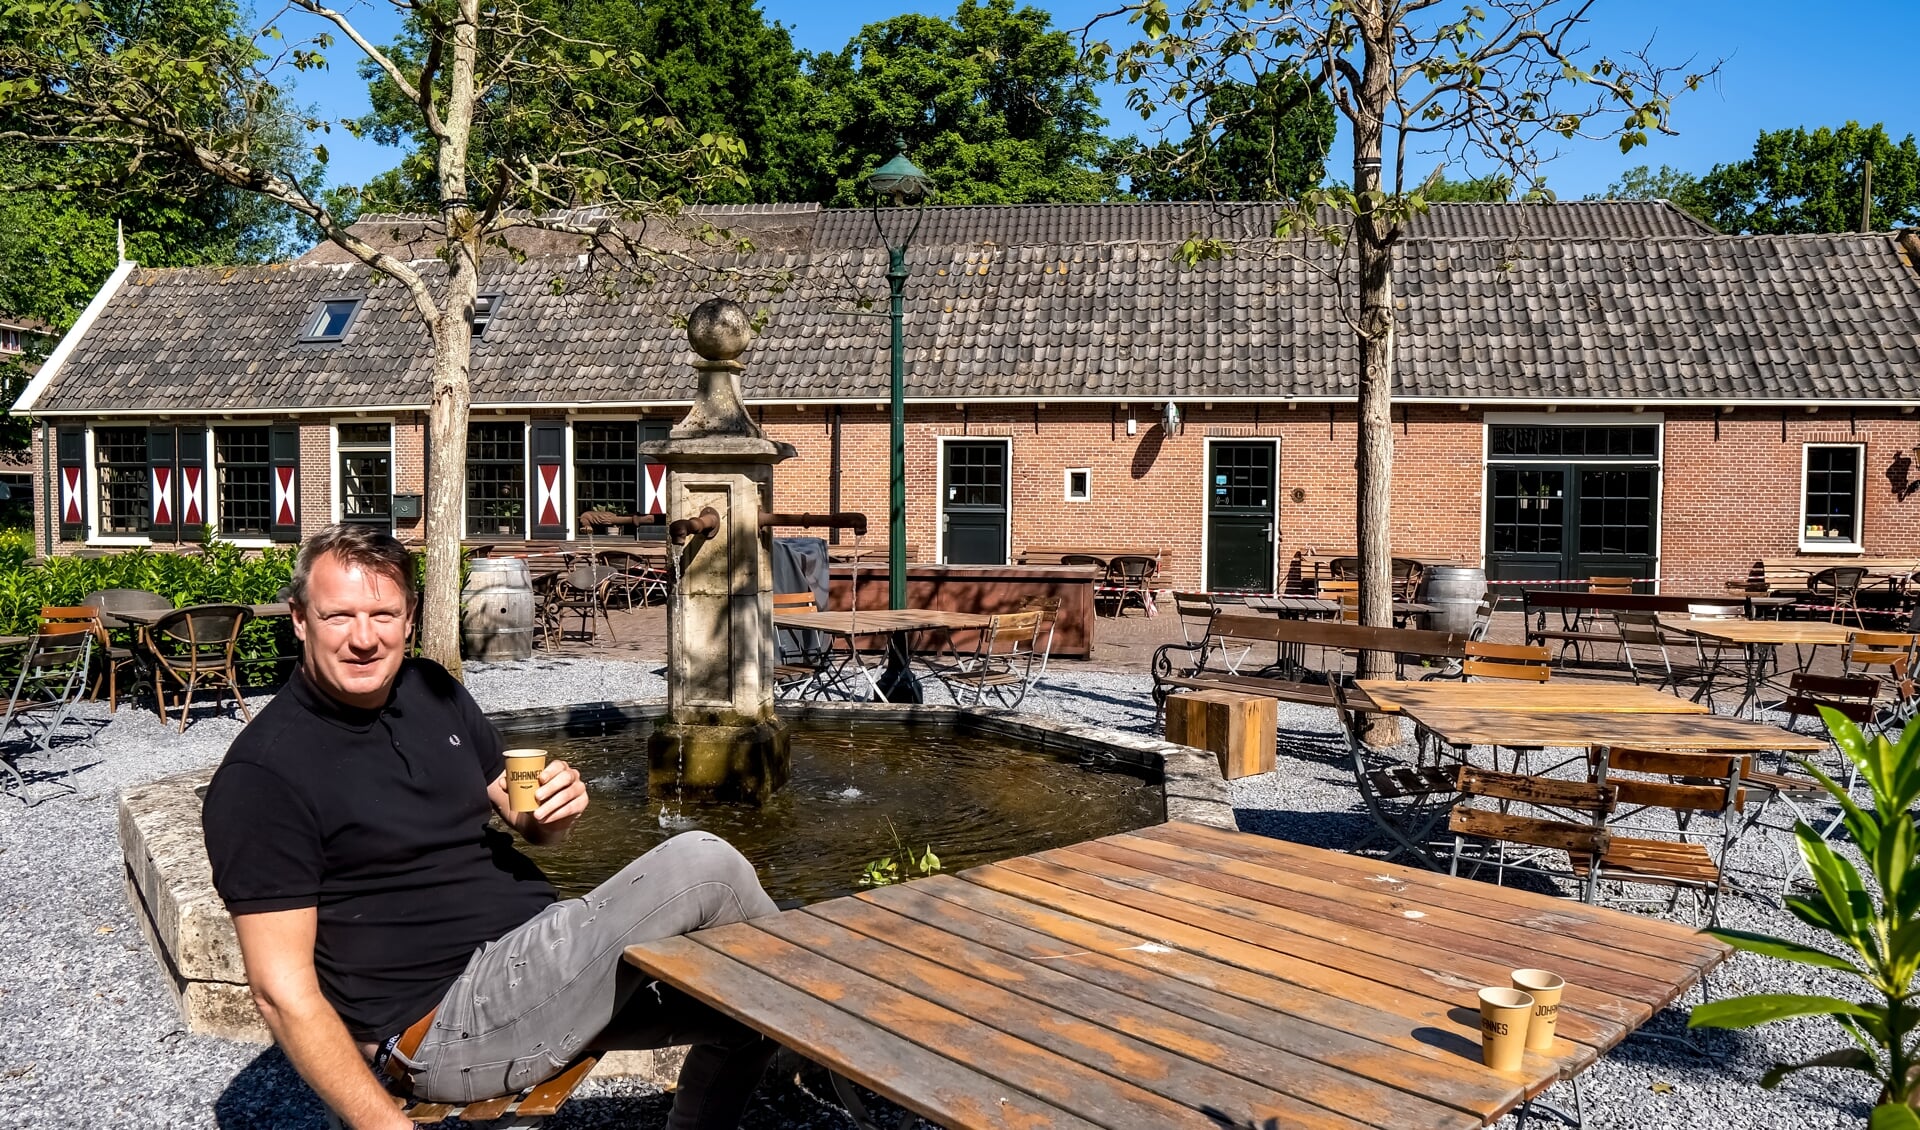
(53, 676)
(201, 660)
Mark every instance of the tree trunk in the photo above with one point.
(1373, 250)
(452, 355)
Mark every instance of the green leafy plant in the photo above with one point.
(901, 866)
(1876, 934)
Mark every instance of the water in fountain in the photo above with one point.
(676, 820)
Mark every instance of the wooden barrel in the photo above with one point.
(496, 620)
(1455, 591)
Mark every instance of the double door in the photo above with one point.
(1558, 522)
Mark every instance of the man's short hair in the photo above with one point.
(369, 547)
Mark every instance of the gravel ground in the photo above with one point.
(88, 1035)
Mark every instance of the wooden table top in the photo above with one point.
(1805, 632)
(881, 621)
(1465, 726)
(1280, 605)
(148, 617)
(1556, 696)
(1183, 976)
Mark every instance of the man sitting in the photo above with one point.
(383, 919)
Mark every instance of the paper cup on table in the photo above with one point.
(1504, 1014)
(1545, 989)
(523, 778)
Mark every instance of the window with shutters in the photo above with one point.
(126, 489)
(496, 479)
(243, 487)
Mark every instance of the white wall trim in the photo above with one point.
(71, 341)
(1822, 545)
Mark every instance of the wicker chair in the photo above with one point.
(194, 648)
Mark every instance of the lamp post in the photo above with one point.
(901, 183)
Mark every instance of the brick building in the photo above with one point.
(1582, 388)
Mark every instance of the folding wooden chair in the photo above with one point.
(1537, 838)
(109, 657)
(526, 1110)
(1680, 858)
(1508, 661)
(1002, 665)
(53, 676)
(1347, 592)
(801, 659)
(1049, 609)
(1888, 657)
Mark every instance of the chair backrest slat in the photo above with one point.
(1677, 763)
(1548, 791)
(1507, 661)
(1678, 797)
(1582, 838)
(794, 603)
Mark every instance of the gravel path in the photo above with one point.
(88, 1035)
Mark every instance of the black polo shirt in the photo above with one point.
(380, 819)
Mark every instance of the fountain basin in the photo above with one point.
(170, 883)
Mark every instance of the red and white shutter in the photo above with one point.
(547, 440)
(283, 450)
(192, 479)
(164, 521)
(653, 484)
(71, 446)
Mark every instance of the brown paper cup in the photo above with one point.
(1545, 989)
(1503, 1027)
(523, 778)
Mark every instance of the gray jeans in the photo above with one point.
(529, 1003)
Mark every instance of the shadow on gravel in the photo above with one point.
(1336, 830)
(268, 1094)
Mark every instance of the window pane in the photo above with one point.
(365, 435)
(244, 481)
(1833, 494)
(496, 479)
(126, 493)
(606, 466)
(332, 322)
(366, 487)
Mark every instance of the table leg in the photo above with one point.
(897, 681)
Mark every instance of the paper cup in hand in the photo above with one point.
(1503, 1027)
(523, 778)
(1545, 989)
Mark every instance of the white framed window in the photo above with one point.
(1079, 484)
(1832, 476)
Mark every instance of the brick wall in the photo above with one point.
(1731, 482)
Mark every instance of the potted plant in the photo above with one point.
(1875, 934)
(509, 518)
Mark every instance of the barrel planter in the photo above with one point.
(497, 604)
(1455, 592)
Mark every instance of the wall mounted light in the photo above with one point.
(1133, 424)
(1170, 417)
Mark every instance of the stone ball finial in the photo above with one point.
(718, 329)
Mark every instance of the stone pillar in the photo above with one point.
(721, 736)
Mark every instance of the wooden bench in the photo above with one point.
(1052, 554)
(1790, 574)
(1238, 630)
(524, 1111)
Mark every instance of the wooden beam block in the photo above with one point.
(1237, 728)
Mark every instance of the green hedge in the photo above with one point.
(219, 573)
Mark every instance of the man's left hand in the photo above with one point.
(562, 796)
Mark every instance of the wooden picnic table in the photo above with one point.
(896, 682)
(1759, 642)
(1183, 976)
(144, 618)
(1471, 726)
(1559, 696)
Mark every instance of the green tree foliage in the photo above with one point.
(1798, 181)
(1872, 934)
(991, 104)
(1677, 187)
(1490, 189)
(1266, 140)
(715, 66)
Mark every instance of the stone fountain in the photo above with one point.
(721, 736)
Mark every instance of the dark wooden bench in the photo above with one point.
(528, 1109)
(1235, 630)
(1051, 554)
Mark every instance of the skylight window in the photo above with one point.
(485, 306)
(331, 320)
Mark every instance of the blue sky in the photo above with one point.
(1786, 64)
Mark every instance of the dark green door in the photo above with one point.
(1569, 523)
(1241, 491)
(974, 497)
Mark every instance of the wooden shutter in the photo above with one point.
(547, 441)
(162, 498)
(70, 445)
(193, 479)
(283, 448)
